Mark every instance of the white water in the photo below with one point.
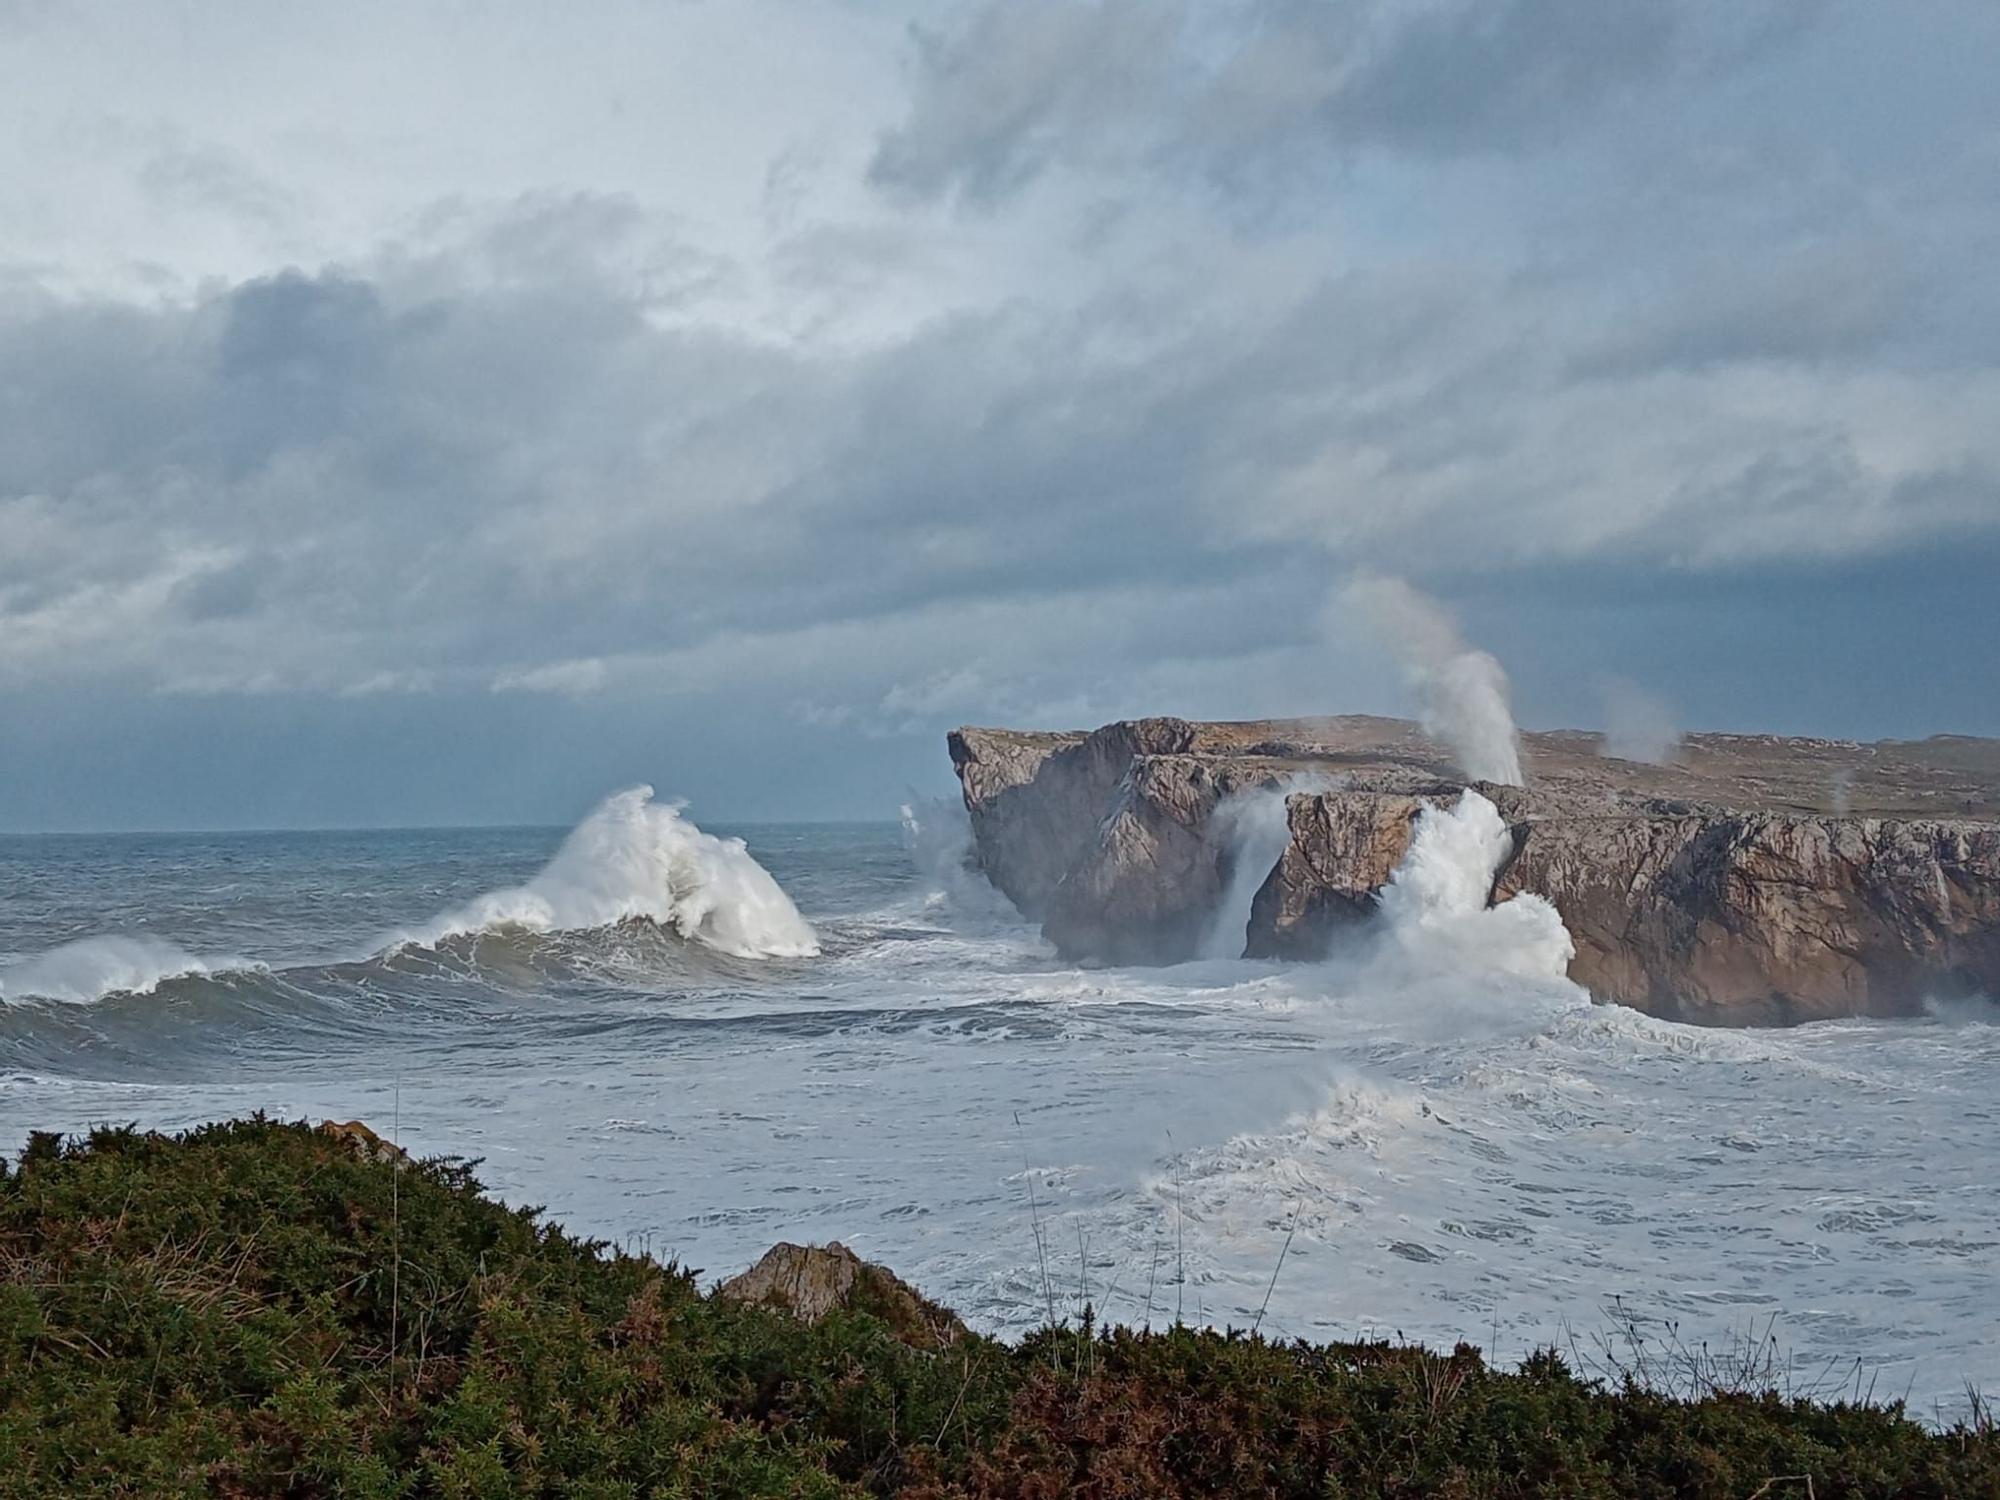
(1254, 828)
(1468, 1148)
(90, 968)
(938, 837)
(1435, 911)
(637, 858)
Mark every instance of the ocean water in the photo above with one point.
(683, 1044)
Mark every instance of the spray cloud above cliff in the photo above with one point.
(1461, 691)
(1638, 725)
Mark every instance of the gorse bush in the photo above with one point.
(257, 1309)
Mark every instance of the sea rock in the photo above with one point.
(1344, 846)
(810, 1281)
(1762, 918)
(1040, 797)
(362, 1141)
(1145, 887)
(1754, 880)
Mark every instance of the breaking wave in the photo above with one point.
(1436, 908)
(89, 969)
(937, 834)
(637, 859)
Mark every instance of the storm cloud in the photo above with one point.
(1035, 360)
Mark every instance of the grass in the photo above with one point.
(257, 1309)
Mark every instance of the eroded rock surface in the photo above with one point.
(810, 1281)
(1755, 880)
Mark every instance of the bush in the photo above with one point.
(256, 1308)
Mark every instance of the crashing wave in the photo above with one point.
(637, 859)
(1436, 909)
(92, 968)
(937, 834)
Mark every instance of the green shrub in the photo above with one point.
(255, 1309)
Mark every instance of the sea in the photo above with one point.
(698, 1042)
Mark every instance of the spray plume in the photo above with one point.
(1462, 691)
(1637, 724)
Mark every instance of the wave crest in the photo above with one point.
(89, 969)
(637, 859)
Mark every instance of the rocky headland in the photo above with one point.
(1753, 880)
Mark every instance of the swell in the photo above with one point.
(632, 889)
(87, 970)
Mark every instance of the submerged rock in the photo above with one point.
(810, 1281)
(1754, 880)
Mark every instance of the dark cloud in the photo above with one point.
(1256, 93)
(342, 475)
(1563, 309)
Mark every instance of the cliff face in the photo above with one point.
(1758, 880)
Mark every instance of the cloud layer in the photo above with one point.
(1039, 359)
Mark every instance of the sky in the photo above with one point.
(445, 413)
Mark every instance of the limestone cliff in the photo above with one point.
(1756, 880)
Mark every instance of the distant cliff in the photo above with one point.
(1756, 880)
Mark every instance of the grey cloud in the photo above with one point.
(568, 678)
(1279, 90)
(352, 474)
(1815, 302)
(1675, 320)
(997, 100)
(184, 176)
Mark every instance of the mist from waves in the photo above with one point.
(1462, 691)
(1251, 829)
(937, 833)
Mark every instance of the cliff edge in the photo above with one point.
(1754, 880)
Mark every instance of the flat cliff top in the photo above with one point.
(1946, 776)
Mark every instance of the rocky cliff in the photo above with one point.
(1755, 880)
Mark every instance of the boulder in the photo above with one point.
(810, 1281)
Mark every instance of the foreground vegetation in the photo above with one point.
(262, 1309)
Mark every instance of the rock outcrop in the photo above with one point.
(1756, 880)
(810, 1281)
(362, 1141)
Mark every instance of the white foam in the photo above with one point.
(632, 859)
(89, 969)
(1436, 904)
(1254, 828)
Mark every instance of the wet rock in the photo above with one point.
(1754, 880)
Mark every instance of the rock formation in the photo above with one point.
(362, 1141)
(1755, 880)
(810, 1281)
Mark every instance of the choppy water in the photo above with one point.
(1458, 1143)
